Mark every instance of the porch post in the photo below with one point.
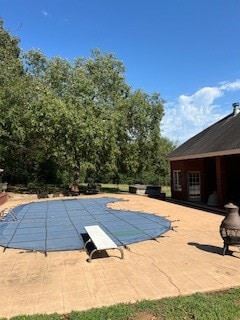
(221, 181)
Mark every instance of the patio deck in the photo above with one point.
(184, 261)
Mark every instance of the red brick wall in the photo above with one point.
(3, 198)
(185, 166)
(221, 174)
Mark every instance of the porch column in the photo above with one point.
(221, 181)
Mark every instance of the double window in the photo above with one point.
(177, 180)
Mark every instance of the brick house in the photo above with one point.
(209, 164)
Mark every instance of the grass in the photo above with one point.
(111, 188)
(223, 305)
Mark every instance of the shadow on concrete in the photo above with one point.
(213, 249)
(207, 248)
(198, 205)
(90, 247)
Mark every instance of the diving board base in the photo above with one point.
(100, 240)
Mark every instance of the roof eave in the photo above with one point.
(205, 155)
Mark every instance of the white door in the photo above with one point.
(194, 186)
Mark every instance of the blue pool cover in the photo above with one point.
(59, 224)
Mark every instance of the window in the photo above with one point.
(177, 180)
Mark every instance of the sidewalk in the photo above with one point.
(187, 259)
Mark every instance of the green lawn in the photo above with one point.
(213, 306)
(110, 187)
(125, 187)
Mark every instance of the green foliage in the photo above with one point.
(121, 312)
(203, 307)
(63, 121)
(53, 316)
(35, 62)
(10, 62)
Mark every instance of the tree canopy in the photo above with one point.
(76, 120)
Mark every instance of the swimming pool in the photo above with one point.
(58, 225)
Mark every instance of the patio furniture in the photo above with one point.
(93, 188)
(139, 189)
(100, 240)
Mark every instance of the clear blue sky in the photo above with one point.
(187, 50)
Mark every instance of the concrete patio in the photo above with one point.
(186, 260)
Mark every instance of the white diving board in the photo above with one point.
(100, 240)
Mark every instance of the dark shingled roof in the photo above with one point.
(221, 138)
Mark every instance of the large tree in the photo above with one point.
(11, 76)
(68, 121)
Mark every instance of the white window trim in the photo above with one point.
(177, 180)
